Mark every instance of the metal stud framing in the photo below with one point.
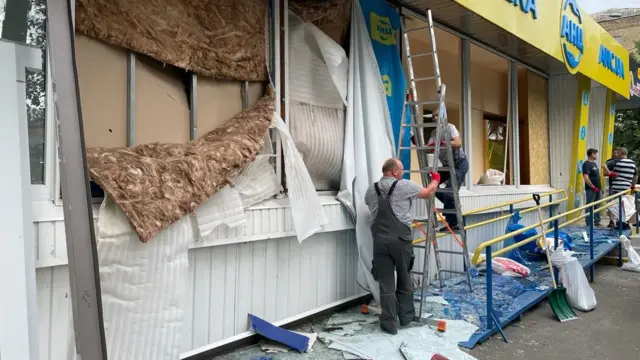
(78, 215)
(193, 105)
(131, 99)
(465, 53)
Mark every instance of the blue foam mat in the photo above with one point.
(511, 296)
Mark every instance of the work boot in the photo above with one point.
(389, 330)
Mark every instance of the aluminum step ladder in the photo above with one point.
(418, 127)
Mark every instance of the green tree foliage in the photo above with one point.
(627, 128)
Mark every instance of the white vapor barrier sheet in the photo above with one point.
(258, 181)
(368, 140)
(144, 286)
(319, 67)
(317, 92)
(306, 207)
(224, 207)
(319, 137)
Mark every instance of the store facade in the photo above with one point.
(530, 84)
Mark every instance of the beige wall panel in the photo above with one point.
(538, 130)
(256, 92)
(489, 89)
(102, 76)
(218, 102)
(162, 112)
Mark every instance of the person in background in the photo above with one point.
(609, 164)
(390, 201)
(624, 176)
(460, 165)
(592, 186)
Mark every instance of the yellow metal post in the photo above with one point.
(579, 142)
(607, 133)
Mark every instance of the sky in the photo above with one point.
(593, 6)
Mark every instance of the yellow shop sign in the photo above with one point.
(562, 30)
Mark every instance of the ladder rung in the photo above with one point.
(425, 170)
(428, 53)
(422, 125)
(419, 246)
(425, 102)
(447, 211)
(417, 272)
(450, 252)
(416, 29)
(416, 148)
(424, 78)
(453, 271)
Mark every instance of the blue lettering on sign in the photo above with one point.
(571, 35)
(583, 132)
(612, 110)
(610, 139)
(526, 6)
(585, 98)
(580, 166)
(611, 61)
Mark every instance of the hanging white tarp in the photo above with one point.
(368, 140)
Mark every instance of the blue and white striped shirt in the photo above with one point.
(626, 171)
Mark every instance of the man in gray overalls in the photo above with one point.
(390, 202)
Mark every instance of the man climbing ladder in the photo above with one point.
(444, 140)
(460, 166)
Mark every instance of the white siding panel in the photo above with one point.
(273, 279)
(562, 101)
(263, 222)
(596, 117)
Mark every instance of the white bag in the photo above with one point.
(634, 259)
(579, 293)
(628, 209)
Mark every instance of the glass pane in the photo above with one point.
(24, 21)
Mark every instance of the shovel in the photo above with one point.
(558, 296)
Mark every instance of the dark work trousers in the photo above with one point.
(461, 169)
(392, 253)
(591, 197)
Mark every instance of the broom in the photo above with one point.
(558, 296)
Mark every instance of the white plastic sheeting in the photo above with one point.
(144, 286)
(257, 182)
(368, 140)
(317, 92)
(306, 207)
(224, 207)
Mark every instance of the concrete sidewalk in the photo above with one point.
(611, 331)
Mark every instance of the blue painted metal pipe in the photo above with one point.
(592, 268)
(550, 206)
(637, 224)
(619, 215)
(489, 288)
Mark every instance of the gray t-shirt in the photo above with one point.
(402, 198)
(458, 154)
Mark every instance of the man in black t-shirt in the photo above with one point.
(592, 186)
(607, 168)
(611, 163)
